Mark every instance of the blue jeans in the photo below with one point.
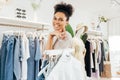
(3, 53)
(37, 57)
(7, 58)
(31, 61)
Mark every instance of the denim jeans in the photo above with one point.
(31, 61)
(3, 53)
(7, 58)
(37, 57)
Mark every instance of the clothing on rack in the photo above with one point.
(6, 58)
(95, 55)
(87, 59)
(17, 58)
(35, 56)
(26, 55)
(20, 56)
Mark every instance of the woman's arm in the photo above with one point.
(49, 42)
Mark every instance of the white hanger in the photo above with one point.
(8, 32)
(58, 51)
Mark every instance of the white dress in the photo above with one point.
(67, 68)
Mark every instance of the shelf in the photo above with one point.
(22, 23)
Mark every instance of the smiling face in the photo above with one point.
(59, 21)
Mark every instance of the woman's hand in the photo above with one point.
(62, 35)
(58, 34)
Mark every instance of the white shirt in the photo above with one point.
(26, 55)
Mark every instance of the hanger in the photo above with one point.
(29, 35)
(8, 32)
(58, 51)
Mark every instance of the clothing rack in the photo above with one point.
(23, 24)
(94, 33)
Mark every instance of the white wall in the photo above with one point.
(9, 9)
(86, 11)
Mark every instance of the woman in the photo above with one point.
(59, 38)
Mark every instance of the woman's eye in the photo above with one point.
(60, 19)
(54, 18)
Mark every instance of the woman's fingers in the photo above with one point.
(59, 34)
(63, 35)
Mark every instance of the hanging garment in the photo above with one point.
(88, 59)
(48, 64)
(37, 57)
(26, 55)
(7, 54)
(14, 57)
(101, 65)
(31, 60)
(18, 59)
(3, 53)
(67, 68)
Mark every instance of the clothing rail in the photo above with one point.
(12, 25)
(94, 32)
(23, 24)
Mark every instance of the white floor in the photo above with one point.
(104, 79)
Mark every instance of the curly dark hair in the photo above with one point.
(67, 9)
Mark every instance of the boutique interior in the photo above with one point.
(102, 21)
